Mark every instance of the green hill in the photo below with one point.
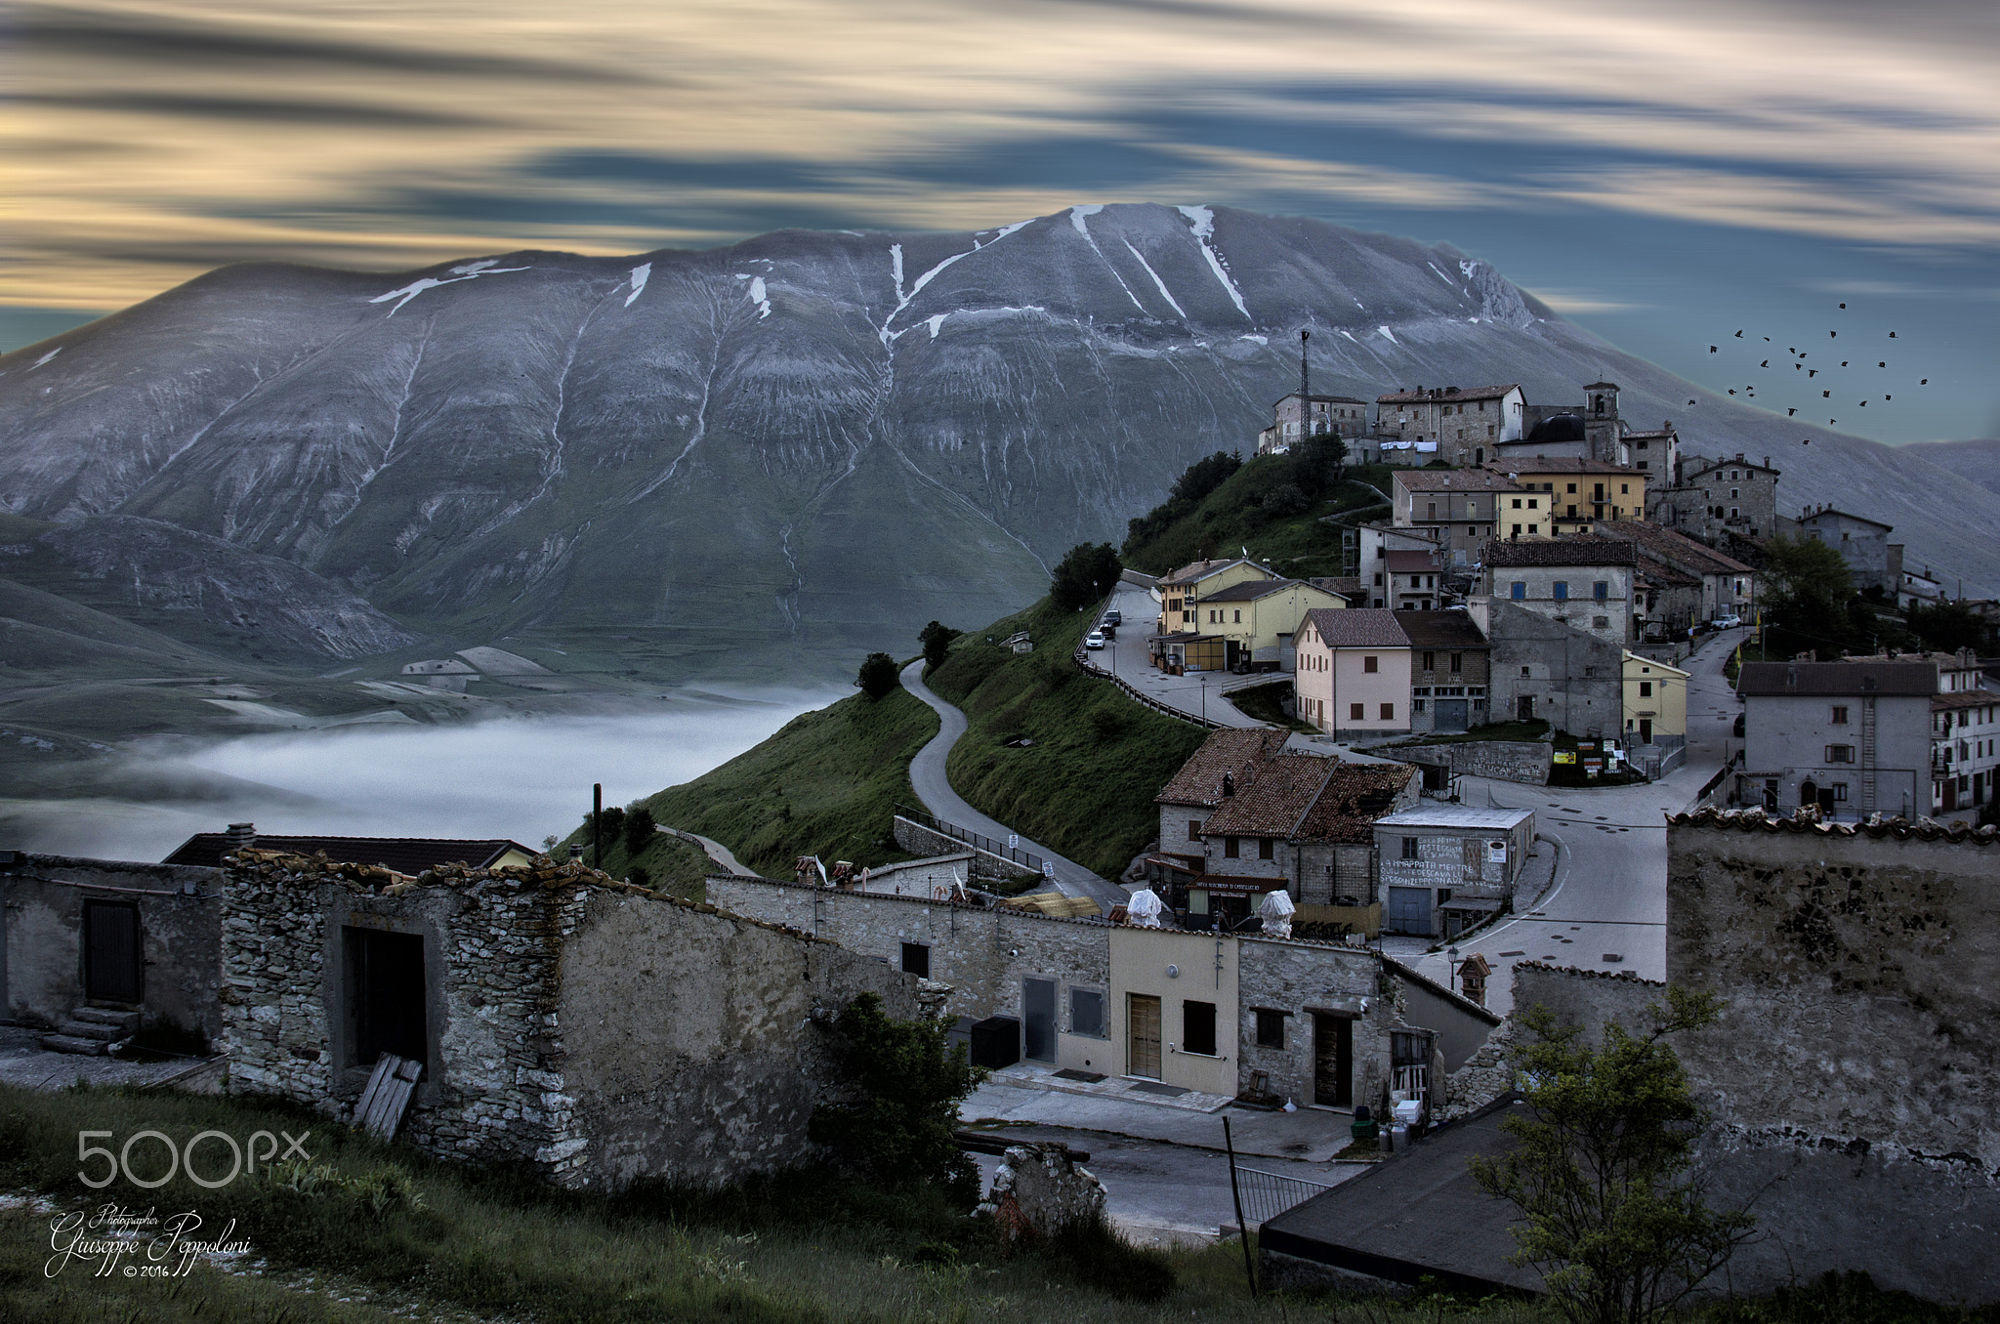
(1261, 507)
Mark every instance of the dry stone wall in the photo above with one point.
(1506, 760)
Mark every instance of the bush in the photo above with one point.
(639, 827)
(936, 639)
(1094, 1255)
(878, 676)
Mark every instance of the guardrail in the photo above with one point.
(1090, 668)
(978, 841)
(1268, 1194)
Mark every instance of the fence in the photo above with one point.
(978, 841)
(1268, 1194)
(1090, 668)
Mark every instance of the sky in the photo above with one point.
(1662, 174)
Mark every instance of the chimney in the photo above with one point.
(576, 852)
(1739, 457)
(240, 836)
(1228, 784)
(1767, 461)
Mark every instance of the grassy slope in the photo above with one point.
(1232, 517)
(1085, 786)
(671, 865)
(824, 785)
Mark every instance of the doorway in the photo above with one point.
(1645, 730)
(1333, 1060)
(1038, 1020)
(110, 951)
(1142, 1036)
(1524, 707)
(385, 996)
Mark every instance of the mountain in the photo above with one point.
(776, 455)
(1975, 461)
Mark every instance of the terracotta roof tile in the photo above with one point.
(1352, 799)
(1562, 552)
(1273, 803)
(1240, 753)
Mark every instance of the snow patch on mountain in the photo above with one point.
(1387, 334)
(934, 321)
(463, 271)
(761, 297)
(1203, 223)
(1076, 218)
(45, 358)
(1157, 282)
(640, 274)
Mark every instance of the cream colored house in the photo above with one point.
(1258, 619)
(1656, 702)
(1179, 643)
(1578, 493)
(1353, 675)
(1174, 1014)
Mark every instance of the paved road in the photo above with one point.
(1607, 908)
(715, 850)
(1199, 695)
(927, 778)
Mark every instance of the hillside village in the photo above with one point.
(1534, 741)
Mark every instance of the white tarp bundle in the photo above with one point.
(1277, 910)
(1143, 910)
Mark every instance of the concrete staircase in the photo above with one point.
(93, 1031)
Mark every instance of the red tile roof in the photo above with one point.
(1240, 753)
(1272, 804)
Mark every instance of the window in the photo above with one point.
(1645, 689)
(1840, 753)
(1430, 661)
(1368, 664)
(1086, 1012)
(1388, 712)
(1600, 590)
(1840, 714)
(1266, 848)
(1839, 790)
(1229, 847)
(1354, 712)
(917, 959)
(1198, 1028)
(1518, 590)
(1517, 503)
(1194, 830)
(1572, 489)
(1517, 528)
(1239, 617)
(1562, 590)
(1270, 1028)
(1600, 622)
(1409, 848)
(1457, 663)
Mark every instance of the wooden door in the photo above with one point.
(1142, 1035)
(110, 951)
(1333, 1060)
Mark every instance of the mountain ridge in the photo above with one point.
(797, 446)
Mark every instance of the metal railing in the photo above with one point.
(1090, 668)
(978, 841)
(1268, 1194)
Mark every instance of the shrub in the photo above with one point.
(638, 830)
(878, 676)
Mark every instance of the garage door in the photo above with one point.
(1409, 910)
(1450, 715)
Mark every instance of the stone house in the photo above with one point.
(1445, 868)
(1461, 508)
(1228, 760)
(1689, 581)
(98, 950)
(1374, 545)
(1302, 414)
(1872, 560)
(1467, 424)
(1353, 673)
(1580, 492)
(1320, 1023)
(1715, 500)
(1558, 618)
(592, 1032)
(1965, 732)
(1850, 738)
(1450, 670)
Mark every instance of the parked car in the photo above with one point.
(1114, 617)
(1093, 640)
(1728, 622)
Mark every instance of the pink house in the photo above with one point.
(1353, 676)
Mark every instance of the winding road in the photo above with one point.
(927, 778)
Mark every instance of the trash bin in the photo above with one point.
(1364, 1126)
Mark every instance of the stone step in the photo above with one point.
(109, 1017)
(66, 1043)
(97, 1030)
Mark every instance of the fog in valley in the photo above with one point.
(522, 778)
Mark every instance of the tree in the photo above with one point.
(1084, 576)
(1205, 475)
(904, 1081)
(936, 639)
(1599, 1168)
(1809, 594)
(1319, 464)
(638, 828)
(1950, 626)
(878, 675)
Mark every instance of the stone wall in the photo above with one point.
(1860, 975)
(595, 1032)
(41, 939)
(920, 840)
(1504, 760)
(1590, 999)
(1301, 979)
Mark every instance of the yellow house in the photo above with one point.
(1656, 702)
(1174, 1014)
(1579, 492)
(1179, 643)
(1257, 618)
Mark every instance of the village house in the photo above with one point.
(1851, 738)
(1578, 493)
(1718, 500)
(1466, 424)
(1558, 617)
(1353, 674)
(1255, 620)
(1299, 414)
(1965, 732)
(1687, 582)
(1450, 670)
(1463, 509)
(1445, 868)
(1419, 564)
(1178, 642)
(1872, 560)
(1593, 430)
(1655, 714)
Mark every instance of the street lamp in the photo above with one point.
(1204, 698)
(1451, 966)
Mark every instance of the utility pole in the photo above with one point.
(597, 825)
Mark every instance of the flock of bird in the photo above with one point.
(1798, 357)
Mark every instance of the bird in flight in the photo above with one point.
(1790, 412)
